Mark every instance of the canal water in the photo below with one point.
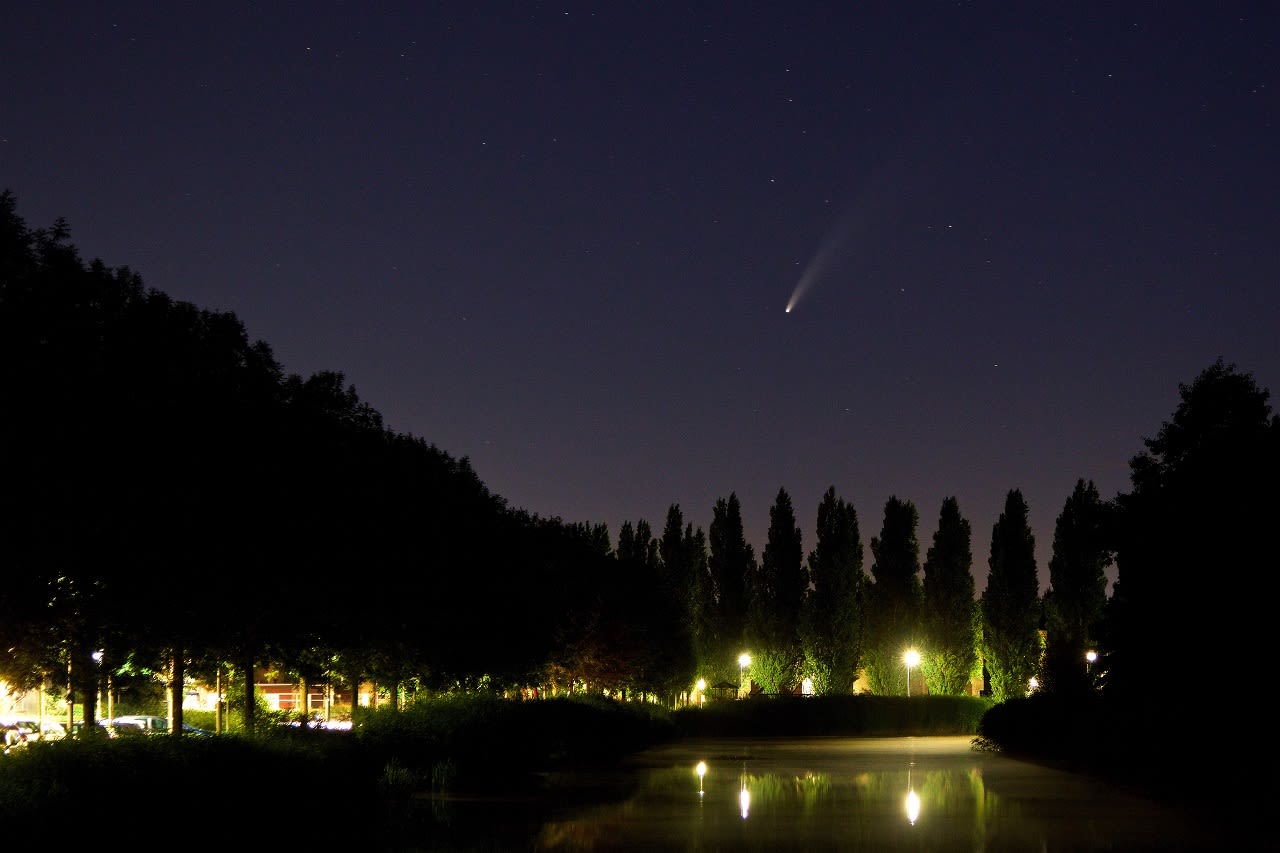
(881, 794)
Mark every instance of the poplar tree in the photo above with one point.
(773, 624)
(1010, 604)
(732, 563)
(894, 599)
(832, 613)
(1077, 597)
(949, 656)
(677, 577)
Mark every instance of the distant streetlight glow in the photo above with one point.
(701, 770)
(744, 661)
(1089, 658)
(911, 658)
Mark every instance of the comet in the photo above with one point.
(883, 197)
(835, 245)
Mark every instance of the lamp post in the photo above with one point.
(744, 661)
(1089, 657)
(702, 691)
(103, 712)
(911, 658)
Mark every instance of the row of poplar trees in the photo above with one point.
(827, 619)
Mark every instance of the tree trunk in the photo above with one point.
(248, 696)
(177, 690)
(354, 678)
(218, 723)
(84, 679)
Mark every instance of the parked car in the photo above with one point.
(138, 724)
(12, 736)
(148, 724)
(48, 730)
(33, 729)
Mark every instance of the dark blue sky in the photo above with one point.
(559, 239)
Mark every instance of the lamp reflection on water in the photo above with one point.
(913, 801)
(701, 770)
(744, 796)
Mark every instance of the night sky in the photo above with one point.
(561, 239)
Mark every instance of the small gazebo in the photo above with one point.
(722, 690)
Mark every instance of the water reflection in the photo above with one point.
(855, 794)
(913, 801)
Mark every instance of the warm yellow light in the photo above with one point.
(913, 807)
(910, 658)
(702, 684)
(744, 801)
(701, 769)
(744, 660)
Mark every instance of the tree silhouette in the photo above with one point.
(1010, 603)
(832, 613)
(894, 598)
(1077, 597)
(1193, 550)
(949, 658)
(732, 564)
(773, 624)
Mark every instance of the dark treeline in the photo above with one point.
(172, 498)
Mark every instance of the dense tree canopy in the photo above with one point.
(1192, 550)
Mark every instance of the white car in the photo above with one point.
(138, 724)
(146, 724)
(34, 730)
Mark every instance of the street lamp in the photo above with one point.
(1089, 657)
(744, 661)
(911, 658)
(702, 691)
